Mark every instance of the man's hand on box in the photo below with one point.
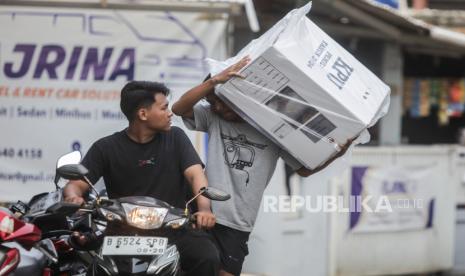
(343, 149)
(231, 71)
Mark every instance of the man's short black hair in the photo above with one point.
(140, 94)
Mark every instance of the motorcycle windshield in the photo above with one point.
(144, 201)
(41, 202)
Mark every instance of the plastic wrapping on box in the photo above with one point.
(303, 90)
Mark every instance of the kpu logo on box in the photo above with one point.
(341, 72)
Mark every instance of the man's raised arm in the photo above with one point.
(184, 107)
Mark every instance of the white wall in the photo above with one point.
(403, 252)
(319, 244)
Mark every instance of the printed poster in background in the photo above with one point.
(61, 72)
(409, 190)
(392, 3)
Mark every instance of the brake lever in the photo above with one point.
(192, 219)
(105, 202)
(88, 207)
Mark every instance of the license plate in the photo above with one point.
(130, 245)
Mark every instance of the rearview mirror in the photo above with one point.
(72, 158)
(210, 193)
(69, 159)
(68, 167)
(215, 194)
(72, 172)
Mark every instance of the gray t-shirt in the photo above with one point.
(240, 161)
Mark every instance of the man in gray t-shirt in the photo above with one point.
(240, 161)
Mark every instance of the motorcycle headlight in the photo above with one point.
(144, 217)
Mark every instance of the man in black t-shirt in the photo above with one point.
(151, 158)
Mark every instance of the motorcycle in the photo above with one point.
(140, 232)
(55, 224)
(16, 239)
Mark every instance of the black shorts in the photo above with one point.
(232, 245)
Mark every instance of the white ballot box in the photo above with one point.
(307, 93)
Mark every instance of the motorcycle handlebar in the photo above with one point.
(87, 207)
(56, 233)
(93, 204)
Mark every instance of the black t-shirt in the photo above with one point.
(151, 169)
